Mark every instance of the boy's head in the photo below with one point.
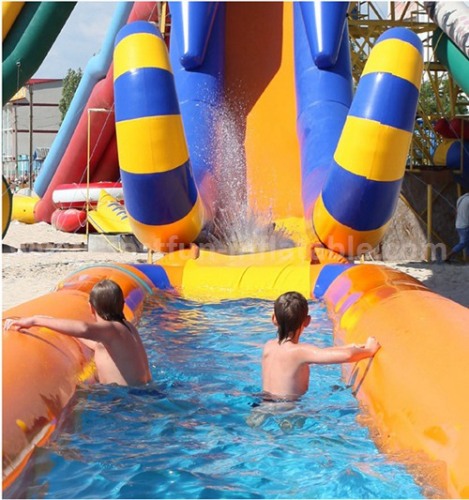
(290, 314)
(107, 299)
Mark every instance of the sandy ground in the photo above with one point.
(29, 274)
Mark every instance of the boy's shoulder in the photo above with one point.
(270, 343)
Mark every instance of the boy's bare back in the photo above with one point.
(122, 360)
(282, 374)
(285, 361)
(120, 356)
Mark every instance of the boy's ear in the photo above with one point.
(307, 321)
(274, 319)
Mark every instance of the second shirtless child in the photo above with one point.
(285, 361)
(119, 353)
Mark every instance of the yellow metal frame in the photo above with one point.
(88, 157)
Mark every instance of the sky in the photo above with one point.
(80, 38)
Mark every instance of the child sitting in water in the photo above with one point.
(285, 362)
(119, 354)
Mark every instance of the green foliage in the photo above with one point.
(441, 106)
(70, 85)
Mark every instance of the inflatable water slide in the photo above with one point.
(451, 46)
(24, 48)
(29, 30)
(264, 91)
(89, 126)
(451, 38)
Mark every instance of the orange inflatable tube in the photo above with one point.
(42, 368)
(415, 388)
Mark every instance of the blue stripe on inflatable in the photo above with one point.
(401, 34)
(453, 155)
(194, 21)
(160, 198)
(380, 196)
(156, 274)
(323, 100)
(135, 297)
(156, 97)
(324, 25)
(137, 27)
(384, 98)
(326, 276)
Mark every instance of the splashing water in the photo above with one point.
(236, 228)
(251, 233)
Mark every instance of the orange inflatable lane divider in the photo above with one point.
(416, 386)
(42, 368)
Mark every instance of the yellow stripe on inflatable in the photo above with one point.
(88, 371)
(441, 152)
(10, 11)
(166, 237)
(409, 64)
(266, 275)
(141, 50)
(364, 149)
(341, 238)
(161, 144)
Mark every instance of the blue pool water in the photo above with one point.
(197, 431)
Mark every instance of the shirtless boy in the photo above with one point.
(119, 353)
(285, 362)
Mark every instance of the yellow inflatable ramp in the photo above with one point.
(109, 217)
(204, 275)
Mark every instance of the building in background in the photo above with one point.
(30, 122)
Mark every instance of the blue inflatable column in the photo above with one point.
(160, 193)
(197, 52)
(323, 95)
(324, 23)
(363, 186)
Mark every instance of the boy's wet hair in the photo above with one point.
(291, 310)
(107, 299)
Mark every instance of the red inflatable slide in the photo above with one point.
(102, 148)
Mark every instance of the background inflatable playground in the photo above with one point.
(246, 135)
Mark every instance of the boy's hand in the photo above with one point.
(16, 324)
(372, 345)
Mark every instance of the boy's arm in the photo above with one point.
(91, 344)
(339, 354)
(71, 327)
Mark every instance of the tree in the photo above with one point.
(70, 85)
(441, 105)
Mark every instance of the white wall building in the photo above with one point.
(30, 122)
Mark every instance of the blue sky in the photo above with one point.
(80, 38)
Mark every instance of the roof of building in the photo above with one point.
(36, 81)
